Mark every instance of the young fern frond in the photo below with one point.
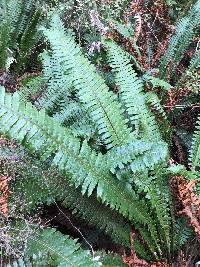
(103, 108)
(195, 148)
(42, 134)
(131, 92)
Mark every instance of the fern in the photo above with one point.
(125, 31)
(111, 260)
(195, 62)
(36, 177)
(182, 233)
(41, 259)
(58, 83)
(48, 247)
(195, 148)
(154, 102)
(131, 92)
(139, 155)
(29, 39)
(18, 31)
(154, 187)
(30, 88)
(186, 29)
(62, 250)
(92, 90)
(10, 14)
(101, 155)
(157, 82)
(72, 114)
(36, 261)
(159, 196)
(88, 170)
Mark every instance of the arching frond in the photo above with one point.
(131, 91)
(88, 170)
(105, 111)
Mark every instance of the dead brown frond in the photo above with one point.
(4, 189)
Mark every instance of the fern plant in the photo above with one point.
(84, 173)
(100, 154)
(186, 30)
(18, 32)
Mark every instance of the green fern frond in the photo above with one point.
(72, 114)
(27, 8)
(159, 196)
(36, 184)
(18, 31)
(57, 81)
(69, 110)
(61, 250)
(30, 88)
(154, 101)
(155, 188)
(186, 29)
(10, 12)
(195, 62)
(157, 82)
(111, 259)
(140, 155)
(29, 39)
(181, 233)
(131, 92)
(39, 260)
(88, 170)
(103, 108)
(195, 148)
